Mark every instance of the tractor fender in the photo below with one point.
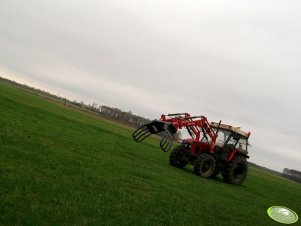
(236, 152)
(243, 153)
(231, 155)
(209, 153)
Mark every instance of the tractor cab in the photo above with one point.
(230, 139)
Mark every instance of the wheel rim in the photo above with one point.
(207, 167)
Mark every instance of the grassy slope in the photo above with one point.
(60, 167)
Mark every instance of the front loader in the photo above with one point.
(212, 148)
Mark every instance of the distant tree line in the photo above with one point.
(126, 117)
(274, 172)
(292, 174)
(116, 114)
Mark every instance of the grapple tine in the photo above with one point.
(141, 137)
(141, 133)
(166, 141)
(165, 144)
(146, 130)
(154, 127)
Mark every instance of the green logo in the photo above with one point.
(282, 214)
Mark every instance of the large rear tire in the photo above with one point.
(205, 166)
(236, 170)
(176, 157)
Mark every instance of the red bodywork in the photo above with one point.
(196, 125)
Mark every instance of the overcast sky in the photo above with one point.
(238, 61)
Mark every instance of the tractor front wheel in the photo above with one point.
(236, 170)
(205, 166)
(176, 157)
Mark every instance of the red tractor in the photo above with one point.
(212, 148)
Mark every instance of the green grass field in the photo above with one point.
(62, 167)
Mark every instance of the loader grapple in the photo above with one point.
(166, 130)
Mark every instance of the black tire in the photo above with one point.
(205, 166)
(176, 157)
(215, 173)
(236, 170)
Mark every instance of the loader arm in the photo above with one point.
(169, 124)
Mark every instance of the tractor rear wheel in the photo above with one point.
(205, 166)
(176, 157)
(236, 170)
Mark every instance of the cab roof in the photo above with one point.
(231, 128)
